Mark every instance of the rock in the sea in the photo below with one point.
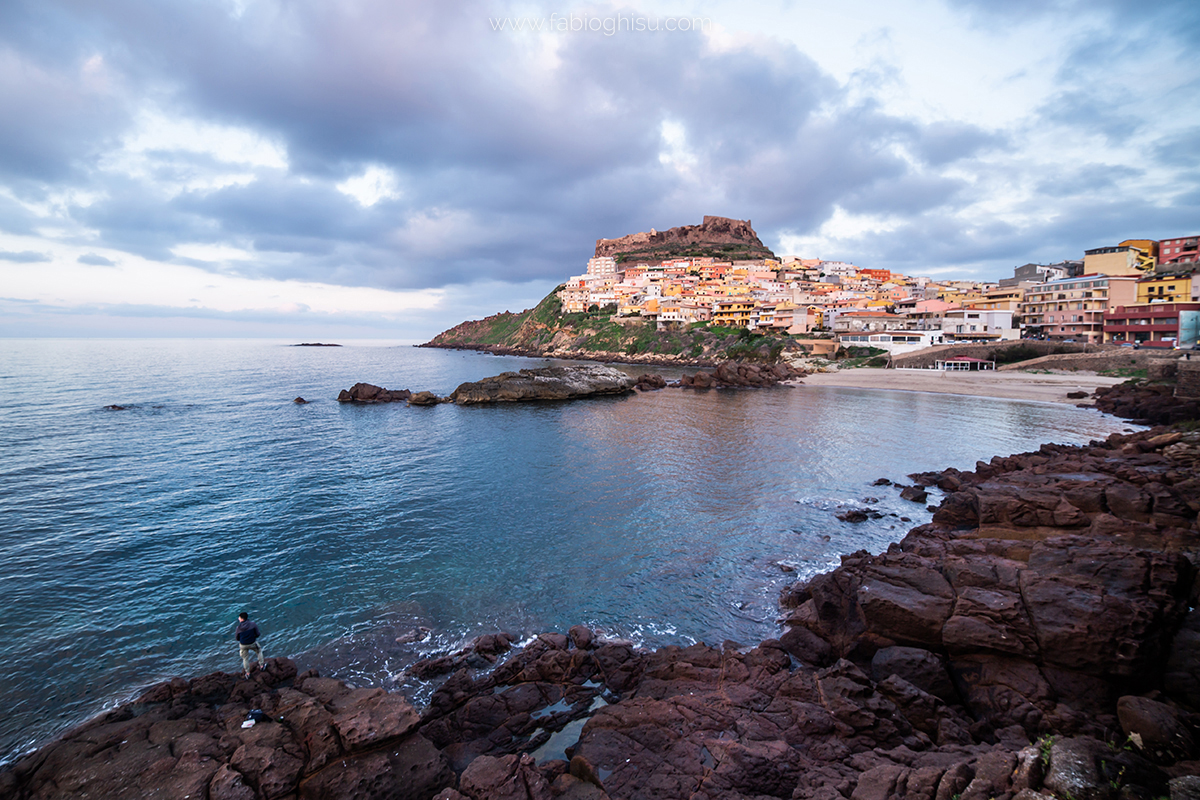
(425, 398)
(647, 382)
(735, 375)
(370, 393)
(549, 383)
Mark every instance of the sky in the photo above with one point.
(386, 169)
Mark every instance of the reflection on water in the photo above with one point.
(132, 538)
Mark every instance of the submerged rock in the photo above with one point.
(549, 383)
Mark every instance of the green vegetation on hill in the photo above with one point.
(546, 329)
(742, 251)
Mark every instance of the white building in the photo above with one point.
(979, 325)
(605, 266)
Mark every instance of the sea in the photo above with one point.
(152, 489)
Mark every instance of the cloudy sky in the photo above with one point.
(385, 169)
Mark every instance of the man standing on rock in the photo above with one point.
(246, 633)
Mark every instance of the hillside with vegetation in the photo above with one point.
(546, 331)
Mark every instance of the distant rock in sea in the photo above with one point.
(315, 344)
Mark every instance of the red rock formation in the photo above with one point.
(716, 236)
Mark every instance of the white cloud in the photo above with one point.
(375, 184)
(157, 131)
(65, 282)
(162, 151)
(211, 252)
(841, 227)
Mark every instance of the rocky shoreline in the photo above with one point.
(601, 356)
(1039, 638)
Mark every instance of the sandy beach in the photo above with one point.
(1047, 388)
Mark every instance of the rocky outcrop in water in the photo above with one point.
(1154, 403)
(370, 393)
(735, 375)
(549, 383)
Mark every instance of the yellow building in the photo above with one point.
(732, 313)
(1149, 255)
(1167, 288)
(1002, 299)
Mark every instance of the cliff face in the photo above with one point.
(718, 237)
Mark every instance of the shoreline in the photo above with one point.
(1039, 387)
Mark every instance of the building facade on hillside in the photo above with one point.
(1181, 248)
(859, 321)
(1166, 287)
(978, 325)
(603, 266)
(1115, 261)
(1074, 308)
(840, 268)
(1154, 324)
(733, 313)
(1040, 273)
(1147, 246)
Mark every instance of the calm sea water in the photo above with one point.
(131, 538)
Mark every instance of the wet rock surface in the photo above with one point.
(319, 738)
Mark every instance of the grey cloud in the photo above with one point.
(95, 260)
(1092, 113)
(24, 256)
(946, 142)
(1084, 179)
(1179, 150)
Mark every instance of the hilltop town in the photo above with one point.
(1140, 293)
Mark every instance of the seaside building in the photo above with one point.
(1154, 324)
(1074, 308)
(977, 325)
(1118, 260)
(1181, 248)
(1040, 273)
(867, 321)
(895, 342)
(1167, 286)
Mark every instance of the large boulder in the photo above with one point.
(550, 383)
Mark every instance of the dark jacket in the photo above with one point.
(246, 632)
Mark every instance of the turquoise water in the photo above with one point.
(131, 538)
